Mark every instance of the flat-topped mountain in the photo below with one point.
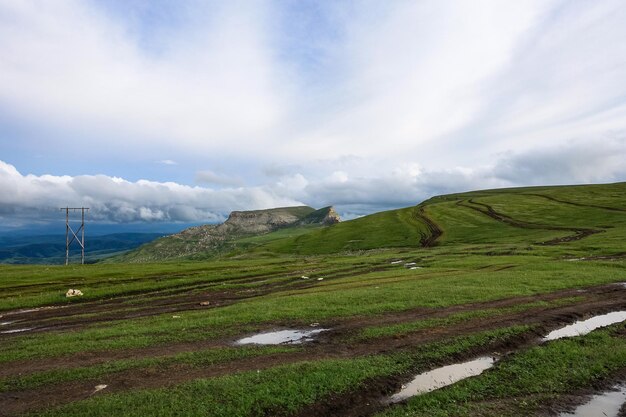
(263, 221)
(206, 240)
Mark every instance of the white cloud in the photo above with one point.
(389, 103)
(399, 76)
(118, 200)
(78, 71)
(167, 162)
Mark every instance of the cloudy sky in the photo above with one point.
(181, 111)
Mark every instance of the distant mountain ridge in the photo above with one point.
(50, 249)
(207, 239)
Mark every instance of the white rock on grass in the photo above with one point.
(99, 388)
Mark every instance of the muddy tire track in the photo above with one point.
(347, 326)
(331, 345)
(572, 203)
(369, 398)
(434, 231)
(579, 233)
(67, 317)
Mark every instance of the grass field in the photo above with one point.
(399, 292)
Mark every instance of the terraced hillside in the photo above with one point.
(388, 296)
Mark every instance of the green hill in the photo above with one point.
(585, 215)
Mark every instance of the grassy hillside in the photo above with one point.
(396, 228)
(402, 292)
(535, 215)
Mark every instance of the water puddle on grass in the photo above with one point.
(585, 326)
(280, 337)
(441, 377)
(30, 310)
(603, 405)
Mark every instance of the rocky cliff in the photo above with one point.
(218, 238)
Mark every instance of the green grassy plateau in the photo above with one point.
(399, 292)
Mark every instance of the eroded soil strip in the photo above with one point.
(434, 231)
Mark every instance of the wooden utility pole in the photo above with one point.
(81, 230)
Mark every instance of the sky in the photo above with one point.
(160, 112)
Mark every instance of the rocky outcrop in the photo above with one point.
(207, 238)
(263, 221)
(332, 217)
(325, 216)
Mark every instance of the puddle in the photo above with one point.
(280, 337)
(396, 262)
(410, 264)
(30, 310)
(607, 404)
(6, 323)
(17, 330)
(585, 326)
(441, 377)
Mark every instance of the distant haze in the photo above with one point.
(179, 112)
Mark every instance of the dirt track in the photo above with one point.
(434, 231)
(579, 233)
(330, 345)
(173, 300)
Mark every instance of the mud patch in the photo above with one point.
(585, 326)
(280, 337)
(442, 377)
